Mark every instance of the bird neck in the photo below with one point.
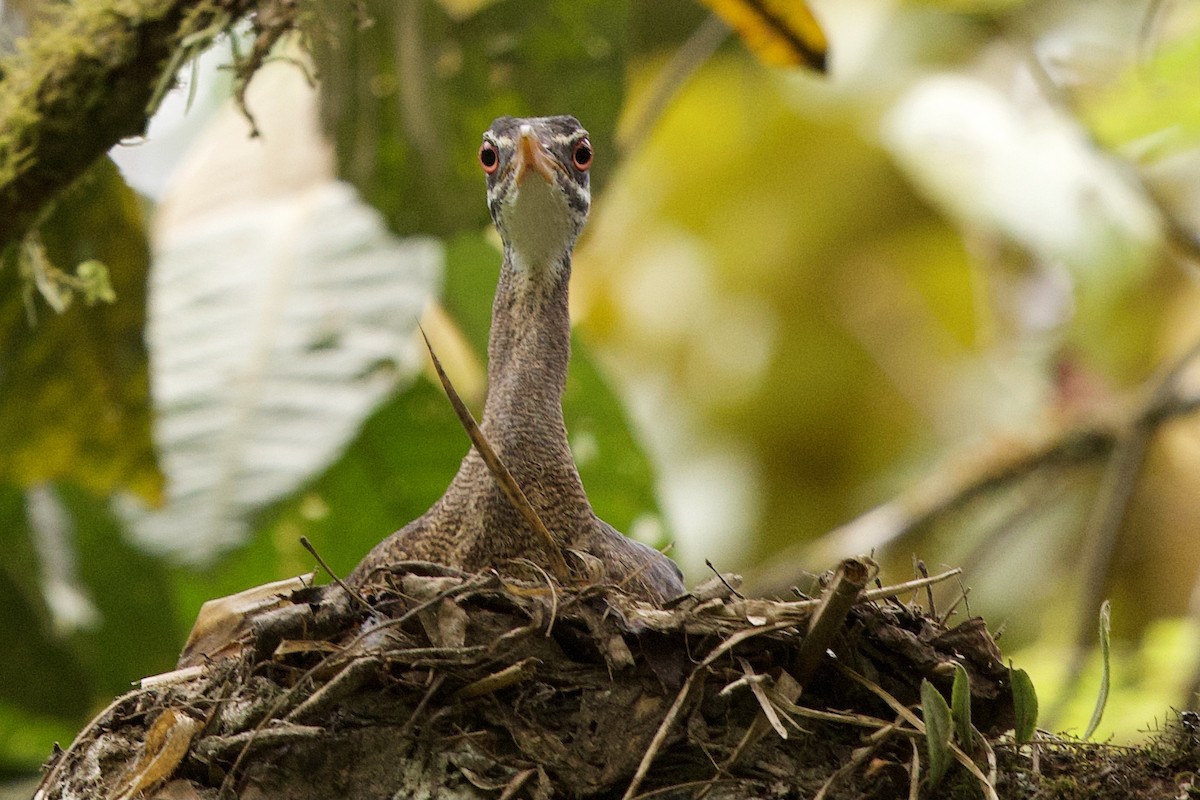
(529, 346)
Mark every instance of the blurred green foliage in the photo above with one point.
(74, 387)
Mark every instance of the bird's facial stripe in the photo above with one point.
(578, 197)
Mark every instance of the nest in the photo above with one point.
(450, 684)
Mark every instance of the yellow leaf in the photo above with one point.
(782, 33)
(166, 744)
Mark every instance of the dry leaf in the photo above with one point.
(166, 744)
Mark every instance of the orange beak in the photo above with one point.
(531, 155)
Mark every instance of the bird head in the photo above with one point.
(537, 186)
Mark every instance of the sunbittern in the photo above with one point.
(538, 195)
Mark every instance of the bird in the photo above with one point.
(538, 195)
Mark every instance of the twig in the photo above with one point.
(952, 489)
(851, 577)
(859, 756)
(901, 588)
(914, 773)
(345, 682)
(307, 545)
(325, 664)
(508, 484)
(518, 780)
(843, 590)
(435, 683)
(921, 568)
(99, 721)
(732, 589)
(664, 727)
(553, 593)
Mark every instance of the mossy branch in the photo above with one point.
(89, 75)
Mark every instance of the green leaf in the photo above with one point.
(937, 731)
(1025, 705)
(74, 387)
(472, 270)
(26, 739)
(138, 633)
(39, 675)
(1102, 695)
(960, 707)
(408, 96)
(56, 672)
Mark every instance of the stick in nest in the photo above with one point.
(508, 484)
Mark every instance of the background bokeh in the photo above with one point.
(892, 291)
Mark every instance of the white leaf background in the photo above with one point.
(281, 314)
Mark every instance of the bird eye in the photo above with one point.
(582, 155)
(489, 158)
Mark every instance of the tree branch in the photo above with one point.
(89, 75)
(953, 488)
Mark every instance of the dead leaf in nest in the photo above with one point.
(220, 625)
(452, 624)
(166, 743)
(445, 624)
(617, 652)
(509, 676)
(422, 587)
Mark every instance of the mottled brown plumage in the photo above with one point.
(538, 196)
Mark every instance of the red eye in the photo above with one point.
(582, 155)
(489, 157)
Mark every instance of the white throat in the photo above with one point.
(538, 224)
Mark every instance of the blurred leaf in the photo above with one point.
(937, 731)
(74, 399)
(267, 360)
(138, 633)
(52, 677)
(1105, 675)
(282, 315)
(31, 654)
(400, 463)
(663, 25)
(408, 96)
(461, 9)
(472, 270)
(1154, 105)
(782, 33)
(26, 739)
(1025, 705)
(960, 707)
